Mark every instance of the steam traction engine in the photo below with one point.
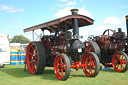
(61, 49)
(111, 48)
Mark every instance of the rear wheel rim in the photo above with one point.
(32, 58)
(60, 67)
(89, 47)
(90, 69)
(92, 47)
(119, 62)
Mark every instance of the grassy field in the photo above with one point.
(15, 75)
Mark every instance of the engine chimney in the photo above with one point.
(75, 22)
(127, 25)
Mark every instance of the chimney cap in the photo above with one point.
(126, 16)
(74, 11)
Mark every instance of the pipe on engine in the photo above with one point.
(127, 25)
(75, 22)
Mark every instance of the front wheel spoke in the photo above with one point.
(90, 59)
(117, 66)
(122, 67)
(118, 57)
(61, 61)
(94, 62)
(58, 70)
(94, 67)
(86, 60)
(123, 60)
(90, 71)
(122, 57)
(62, 72)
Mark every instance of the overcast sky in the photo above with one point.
(16, 15)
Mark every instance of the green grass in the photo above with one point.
(15, 75)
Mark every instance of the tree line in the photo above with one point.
(20, 39)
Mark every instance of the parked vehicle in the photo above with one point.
(61, 49)
(4, 51)
(112, 49)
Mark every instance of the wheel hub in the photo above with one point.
(117, 62)
(33, 57)
(91, 64)
(59, 66)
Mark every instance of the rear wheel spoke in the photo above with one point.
(90, 71)
(31, 54)
(33, 67)
(32, 48)
(62, 72)
(32, 61)
(122, 67)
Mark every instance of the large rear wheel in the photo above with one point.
(93, 64)
(36, 58)
(62, 66)
(120, 61)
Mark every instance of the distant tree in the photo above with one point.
(20, 39)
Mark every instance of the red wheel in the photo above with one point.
(62, 66)
(35, 58)
(93, 64)
(120, 61)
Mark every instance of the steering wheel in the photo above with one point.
(108, 30)
(90, 37)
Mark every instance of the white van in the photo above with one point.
(4, 51)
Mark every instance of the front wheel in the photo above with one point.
(93, 64)
(62, 66)
(120, 61)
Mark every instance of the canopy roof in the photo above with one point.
(60, 23)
